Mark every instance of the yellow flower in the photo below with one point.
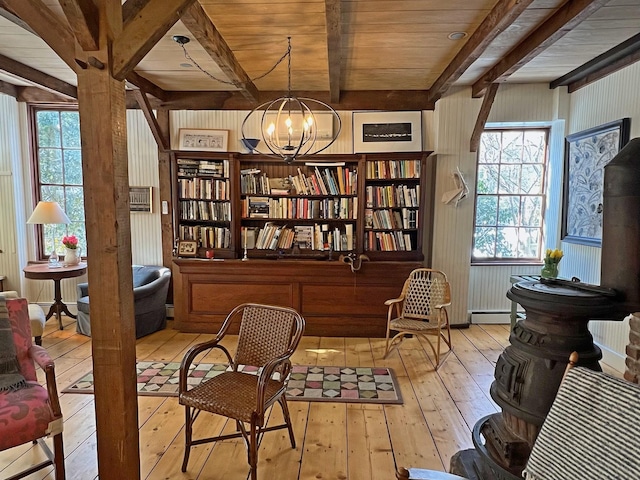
(553, 256)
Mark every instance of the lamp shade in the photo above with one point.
(47, 213)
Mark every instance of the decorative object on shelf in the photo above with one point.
(49, 213)
(387, 132)
(551, 260)
(187, 248)
(140, 199)
(203, 140)
(250, 144)
(586, 154)
(289, 124)
(73, 252)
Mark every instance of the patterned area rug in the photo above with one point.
(307, 383)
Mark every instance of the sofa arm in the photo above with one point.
(82, 289)
(150, 289)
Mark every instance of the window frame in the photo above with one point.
(479, 261)
(36, 193)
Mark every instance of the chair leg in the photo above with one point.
(58, 449)
(253, 451)
(287, 419)
(188, 430)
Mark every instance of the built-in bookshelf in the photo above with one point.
(394, 206)
(260, 207)
(309, 209)
(204, 202)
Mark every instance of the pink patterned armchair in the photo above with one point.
(30, 412)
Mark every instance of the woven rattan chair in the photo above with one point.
(267, 338)
(421, 310)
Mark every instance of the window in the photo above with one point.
(510, 195)
(58, 173)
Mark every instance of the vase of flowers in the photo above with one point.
(551, 260)
(72, 254)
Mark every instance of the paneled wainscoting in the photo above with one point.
(334, 440)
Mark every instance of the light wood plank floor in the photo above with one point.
(334, 440)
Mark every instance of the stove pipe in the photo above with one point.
(620, 268)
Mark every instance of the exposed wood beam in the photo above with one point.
(130, 9)
(481, 121)
(14, 18)
(36, 76)
(199, 24)
(146, 85)
(165, 188)
(39, 95)
(83, 18)
(333, 13)
(142, 32)
(8, 89)
(618, 57)
(349, 100)
(561, 22)
(503, 14)
(145, 106)
(47, 26)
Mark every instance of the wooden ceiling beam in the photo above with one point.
(333, 14)
(142, 32)
(40, 95)
(83, 18)
(8, 89)
(612, 60)
(401, 100)
(145, 106)
(561, 22)
(130, 9)
(483, 115)
(36, 76)
(503, 14)
(205, 32)
(146, 85)
(46, 24)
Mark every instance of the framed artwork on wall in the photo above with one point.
(387, 132)
(203, 140)
(141, 199)
(586, 154)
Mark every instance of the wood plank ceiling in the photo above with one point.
(352, 53)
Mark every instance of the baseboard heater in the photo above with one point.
(490, 317)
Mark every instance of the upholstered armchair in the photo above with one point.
(150, 288)
(28, 411)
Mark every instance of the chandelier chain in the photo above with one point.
(238, 84)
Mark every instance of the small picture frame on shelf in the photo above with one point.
(203, 140)
(187, 248)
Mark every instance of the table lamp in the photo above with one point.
(47, 213)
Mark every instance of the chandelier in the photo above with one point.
(289, 124)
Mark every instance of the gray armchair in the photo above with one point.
(150, 288)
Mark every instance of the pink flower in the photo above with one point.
(70, 241)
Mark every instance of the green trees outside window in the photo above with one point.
(58, 167)
(510, 195)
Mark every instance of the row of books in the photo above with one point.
(392, 196)
(207, 237)
(340, 208)
(326, 181)
(391, 219)
(305, 237)
(254, 182)
(388, 242)
(188, 167)
(388, 169)
(201, 210)
(203, 188)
